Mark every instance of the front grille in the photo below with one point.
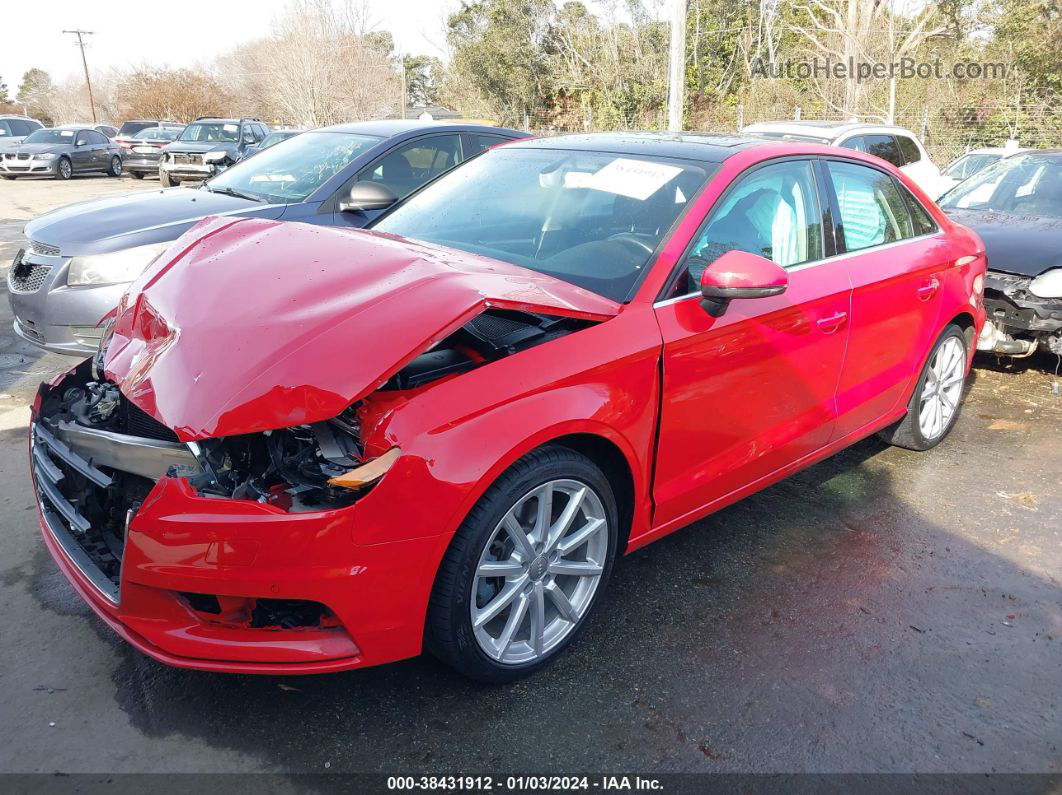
(27, 278)
(68, 488)
(23, 156)
(140, 423)
(43, 249)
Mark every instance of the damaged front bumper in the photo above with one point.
(1018, 322)
(208, 582)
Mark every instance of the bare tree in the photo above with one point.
(322, 65)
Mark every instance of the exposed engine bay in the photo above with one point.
(1019, 322)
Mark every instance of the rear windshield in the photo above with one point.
(133, 127)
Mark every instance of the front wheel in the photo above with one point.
(116, 167)
(934, 406)
(136, 174)
(63, 169)
(526, 567)
(165, 180)
(8, 176)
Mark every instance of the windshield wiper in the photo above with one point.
(233, 192)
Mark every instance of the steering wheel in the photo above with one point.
(632, 240)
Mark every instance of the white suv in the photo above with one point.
(895, 144)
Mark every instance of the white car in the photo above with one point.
(973, 161)
(895, 144)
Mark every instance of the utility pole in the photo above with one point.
(677, 72)
(84, 62)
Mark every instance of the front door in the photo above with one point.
(751, 391)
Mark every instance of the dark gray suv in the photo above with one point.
(207, 147)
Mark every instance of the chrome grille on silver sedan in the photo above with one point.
(43, 249)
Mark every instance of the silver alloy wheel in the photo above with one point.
(539, 570)
(116, 167)
(65, 168)
(943, 389)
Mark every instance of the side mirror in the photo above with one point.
(739, 274)
(367, 196)
(79, 143)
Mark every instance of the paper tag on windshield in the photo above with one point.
(637, 179)
(231, 127)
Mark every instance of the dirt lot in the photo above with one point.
(882, 611)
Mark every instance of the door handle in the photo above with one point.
(832, 323)
(928, 290)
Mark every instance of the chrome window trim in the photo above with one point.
(822, 261)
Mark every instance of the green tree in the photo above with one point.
(422, 78)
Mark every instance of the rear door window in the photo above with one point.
(909, 149)
(6, 130)
(883, 146)
(481, 143)
(873, 211)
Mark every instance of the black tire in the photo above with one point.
(61, 172)
(136, 174)
(448, 633)
(116, 167)
(7, 176)
(164, 179)
(906, 433)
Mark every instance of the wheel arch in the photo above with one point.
(967, 323)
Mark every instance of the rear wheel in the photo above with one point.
(526, 567)
(934, 406)
(116, 167)
(63, 169)
(136, 174)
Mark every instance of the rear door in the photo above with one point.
(752, 391)
(896, 263)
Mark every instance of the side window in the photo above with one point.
(481, 143)
(871, 207)
(82, 138)
(260, 132)
(773, 212)
(97, 137)
(5, 129)
(921, 220)
(909, 149)
(406, 168)
(857, 142)
(885, 147)
(19, 127)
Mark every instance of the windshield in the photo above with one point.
(293, 169)
(206, 132)
(158, 134)
(968, 165)
(588, 218)
(1022, 184)
(50, 137)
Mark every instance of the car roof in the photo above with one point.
(708, 147)
(826, 130)
(386, 128)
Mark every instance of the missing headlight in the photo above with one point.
(289, 468)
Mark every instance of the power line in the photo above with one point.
(84, 62)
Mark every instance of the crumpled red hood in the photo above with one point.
(249, 325)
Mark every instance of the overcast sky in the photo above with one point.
(177, 34)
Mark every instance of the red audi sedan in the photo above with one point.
(306, 449)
